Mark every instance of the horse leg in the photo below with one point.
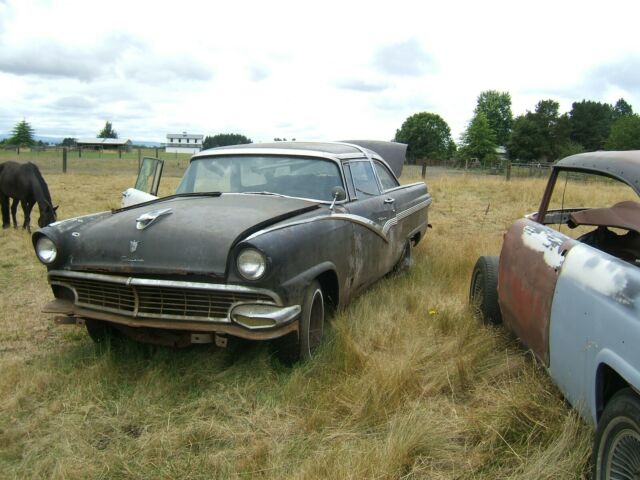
(26, 209)
(14, 209)
(4, 203)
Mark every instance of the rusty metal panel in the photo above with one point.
(531, 257)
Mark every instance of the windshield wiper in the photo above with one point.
(264, 193)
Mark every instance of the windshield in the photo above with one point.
(283, 175)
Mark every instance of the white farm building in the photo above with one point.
(183, 143)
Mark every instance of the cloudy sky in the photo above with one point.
(321, 70)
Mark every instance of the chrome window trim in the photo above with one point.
(382, 164)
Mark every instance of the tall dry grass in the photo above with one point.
(407, 384)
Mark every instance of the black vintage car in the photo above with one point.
(259, 242)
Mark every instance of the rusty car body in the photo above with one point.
(258, 242)
(574, 300)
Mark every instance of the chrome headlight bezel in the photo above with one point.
(46, 250)
(251, 264)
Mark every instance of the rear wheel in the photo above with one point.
(616, 450)
(483, 292)
(405, 260)
(303, 344)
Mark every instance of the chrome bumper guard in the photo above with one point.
(257, 316)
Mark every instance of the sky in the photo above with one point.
(328, 70)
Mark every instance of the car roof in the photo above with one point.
(393, 154)
(623, 166)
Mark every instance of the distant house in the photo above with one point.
(183, 143)
(104, 143)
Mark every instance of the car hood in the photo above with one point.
(176, 236)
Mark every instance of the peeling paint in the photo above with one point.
(602, 275)
(543, 241)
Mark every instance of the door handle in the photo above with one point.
(389, 200)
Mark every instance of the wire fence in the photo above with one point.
(95, 161)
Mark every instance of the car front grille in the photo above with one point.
(157, 298)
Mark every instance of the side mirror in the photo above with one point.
(338, 194)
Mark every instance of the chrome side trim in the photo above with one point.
(404, 214)
(165, 283)
(357, 219)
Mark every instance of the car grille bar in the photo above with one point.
(163, 299)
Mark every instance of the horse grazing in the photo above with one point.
(23, 183)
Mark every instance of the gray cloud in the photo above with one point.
(116, 53)
(406, 58)
(75, 102)
(624, 73)
(155, 70)
(361, 85)
(49, 59)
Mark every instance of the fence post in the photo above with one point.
(508, 170)
(18, 150)
(119, 152)
(64, 160)
(424, 169)
(139, 159)
(79, 152)
(156, 152)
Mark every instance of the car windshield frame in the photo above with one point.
(298, 176)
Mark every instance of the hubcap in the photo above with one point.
(623, 459)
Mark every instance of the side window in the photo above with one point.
(349, 179)
(387, 180)
(364, 179)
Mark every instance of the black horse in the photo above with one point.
(23, 183)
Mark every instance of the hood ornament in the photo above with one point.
(146, 219)
(133, 245)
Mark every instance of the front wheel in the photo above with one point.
(483, 292)
(303, 344)
(616, 450)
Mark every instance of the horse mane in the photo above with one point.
(40, 179)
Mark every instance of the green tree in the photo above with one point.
(427, 136)
(479, 140)
(108, 131)
(224, 139)
(540, 135)
(69, 142)
(625, 134)
(22, 135)
(621, 109)
(497, 108)
(591, 123)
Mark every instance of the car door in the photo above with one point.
(148, 180)
(531, 257)
(372, 247)
(147, 183)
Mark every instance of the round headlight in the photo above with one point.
(46, 250)
(251, 264)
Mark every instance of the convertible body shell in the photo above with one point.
(165, 271)
(574, 304)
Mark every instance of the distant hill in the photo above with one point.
(56, 140)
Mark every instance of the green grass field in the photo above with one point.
(406, 385)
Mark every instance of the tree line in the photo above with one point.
(541, 135)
